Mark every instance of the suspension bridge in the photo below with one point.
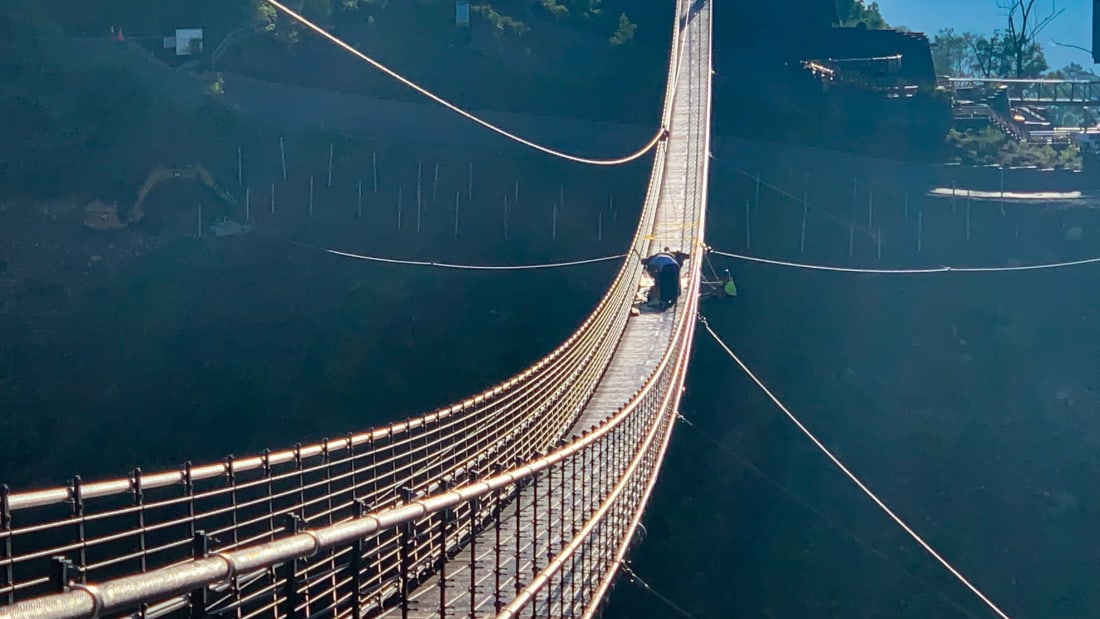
(523, 499)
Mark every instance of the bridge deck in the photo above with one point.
(644, 341)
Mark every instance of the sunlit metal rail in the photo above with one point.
(525, 497)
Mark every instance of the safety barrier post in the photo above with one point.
(199, 598)
(6, 548)
(563, 541)
(519, 546)
(78, 512)
(358, 548)
(498, 602)
(405, 559)
(61, 573)
(290, 571)
(139, 502)
(444, 519)
(475, 505)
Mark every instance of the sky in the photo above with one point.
(1074, 26)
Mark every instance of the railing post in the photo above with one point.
(290, 571)
(498, 602)
(444, 520)
(564, 541)
(358, 547)
(199, 598)
(62, 572)
(407, 495)
(475, 507)
(518, 531)
(139, 501)
(6, 548)
(78, 512)
(231, 481)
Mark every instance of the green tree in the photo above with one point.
(263, 16)
(852, 13)
(952, 54)
(625, 33)
(986, 55)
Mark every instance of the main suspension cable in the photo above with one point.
(856, 480)
(456, 109)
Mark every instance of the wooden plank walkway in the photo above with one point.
(473, 587)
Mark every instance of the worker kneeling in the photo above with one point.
(664, 267)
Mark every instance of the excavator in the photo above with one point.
(101, 217)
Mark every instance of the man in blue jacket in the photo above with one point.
(664, 267)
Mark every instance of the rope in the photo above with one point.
(829, 521)
(467, 267)
(840, 465)
(461, 112)
(634, 577)
(943, 269)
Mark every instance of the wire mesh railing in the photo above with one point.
(351, 527)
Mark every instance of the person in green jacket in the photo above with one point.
(723, 288)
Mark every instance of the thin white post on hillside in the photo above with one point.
(851, 239)
(311, 195)
(599, 227)
(374, 169)
(920, 230)
(968, 215)
(282, 155)
(240, 167)
(458, 193)
(805, 215)
(506, 216)
(1002, 192)
(272, 198)
(359, 201)
(554, 229)
(870, 208)
(515, 196)
(419, 201)
(400, 199)
(748, 226)
(331, 148)
(248, 204)
(435, 183)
